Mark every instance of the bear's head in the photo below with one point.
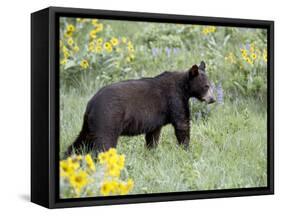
(198, 84)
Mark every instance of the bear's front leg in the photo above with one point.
(182, 133)
(180, 120)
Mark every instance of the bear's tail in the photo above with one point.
(81, 138)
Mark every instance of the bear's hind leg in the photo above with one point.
(152, 138)
(83, 143)
(104, 143)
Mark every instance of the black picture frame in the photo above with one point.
(45, 107)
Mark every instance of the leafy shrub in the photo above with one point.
(92, 49)
(88, 46)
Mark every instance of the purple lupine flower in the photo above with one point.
(248, 46)
(168, 51)
(154, 52)
(219, 93)
(176, 50)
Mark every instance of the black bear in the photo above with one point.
(142, 106)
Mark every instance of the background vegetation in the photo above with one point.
(228, 139)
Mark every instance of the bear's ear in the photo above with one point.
(194, 71)
(202, 66)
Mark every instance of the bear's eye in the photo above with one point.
(207, 86)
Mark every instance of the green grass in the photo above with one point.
(226, 151)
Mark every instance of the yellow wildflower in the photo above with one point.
(264, 56)
(91, 47)
(112, 159)
(103, 157)
(208, 29)
(70, 41)
(99, 41)
(132, 57)
(113, 170)
(130, 47)
(114, 41)
(94, 22)
(66, 54)
(92, 43)
(70, 28)
(76, 158)
(68, 34)
(98, 49)
(76, 48)
(114, 185)
(90, 162)
(64, 49)
(93, 34)
(78, 180)
(122, 188)
(121, 161)
(205, 31)
(72, 163)
(212, 29)
(250, 61)
(130, 184)
(244, 53)
(125, 188)
(67, 167)
(254, 56)
(84, 64)
(63, 61)
(108, 47)
(99, 27)
(112, 152)
(106, 188)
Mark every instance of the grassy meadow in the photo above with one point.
(228, 147)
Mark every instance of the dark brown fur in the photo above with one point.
(141, 106)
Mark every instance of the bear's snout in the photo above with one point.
(212, 100)
(209, 96)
